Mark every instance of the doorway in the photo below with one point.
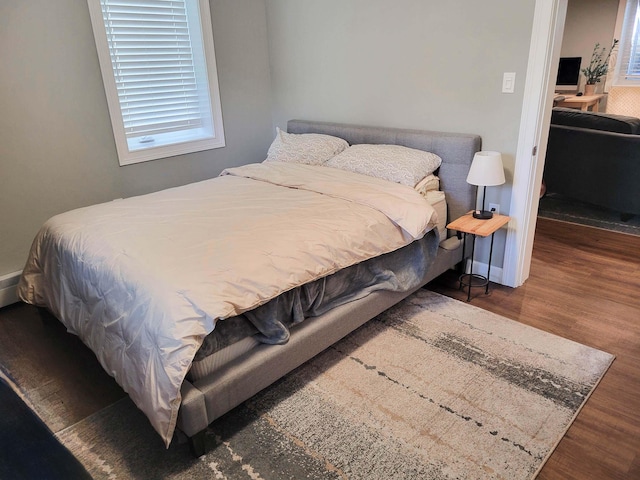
(544, 52)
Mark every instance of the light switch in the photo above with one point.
(508, 82)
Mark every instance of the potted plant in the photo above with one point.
(597, 68)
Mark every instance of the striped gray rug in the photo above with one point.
(431, 389)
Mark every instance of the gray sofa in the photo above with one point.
(594, 158)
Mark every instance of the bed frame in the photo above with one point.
(208, 398)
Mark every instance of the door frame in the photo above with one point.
(542, 67)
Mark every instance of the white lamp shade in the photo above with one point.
(486, 169)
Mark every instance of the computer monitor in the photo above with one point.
(568, 74)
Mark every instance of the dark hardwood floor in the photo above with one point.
(48, 363)
(584, 285)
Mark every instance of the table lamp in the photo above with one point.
(486, 171)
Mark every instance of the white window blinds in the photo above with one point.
(160, 72)
(153, 65)
(628, 65)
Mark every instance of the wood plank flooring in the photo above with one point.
(584, 285)
(38, 354)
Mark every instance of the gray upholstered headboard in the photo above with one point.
(455, 149)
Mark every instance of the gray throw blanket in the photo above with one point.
(399, 270)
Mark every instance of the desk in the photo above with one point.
(473, 226)
(583, 102)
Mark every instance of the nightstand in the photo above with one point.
(467, 225)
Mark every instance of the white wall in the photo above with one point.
(405, 63)
(56, 144)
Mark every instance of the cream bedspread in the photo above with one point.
(143, 280)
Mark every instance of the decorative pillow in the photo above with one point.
(394, 163)
(427, 184)
(307, 148)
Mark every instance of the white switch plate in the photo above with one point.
(508, 82)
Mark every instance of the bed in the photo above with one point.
(146, 282)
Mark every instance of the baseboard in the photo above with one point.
(481, 269)
(8, 285)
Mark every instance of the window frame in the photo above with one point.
(627, 45)
(175, 146)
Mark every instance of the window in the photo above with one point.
(159, 73)
(628, 64)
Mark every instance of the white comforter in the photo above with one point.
(143, 280)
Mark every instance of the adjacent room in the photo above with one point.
(292, 239)
(596, 119)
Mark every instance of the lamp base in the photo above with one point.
(482, 214)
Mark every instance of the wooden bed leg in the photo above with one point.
(197, 443)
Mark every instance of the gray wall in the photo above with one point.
(406, 63)
(56, 143)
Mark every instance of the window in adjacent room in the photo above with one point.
(628, 63)
(159, 72)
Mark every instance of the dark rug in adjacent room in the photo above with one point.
(28, 449)
(559, 207)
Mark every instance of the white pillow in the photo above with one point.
(394, 163)
(307, 148)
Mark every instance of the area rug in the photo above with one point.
(28, 448)
(558, 207)
(431, 389)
